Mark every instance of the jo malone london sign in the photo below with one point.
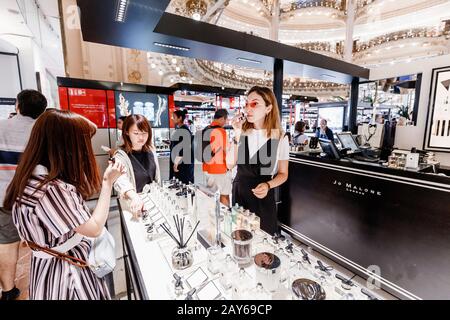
(354, 188)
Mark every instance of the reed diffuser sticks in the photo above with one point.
(179, 236)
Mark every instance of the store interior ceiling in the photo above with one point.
(384, 32)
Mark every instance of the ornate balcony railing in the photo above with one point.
(335, 48)
(401, 35)
(333, 4)
(215, 73)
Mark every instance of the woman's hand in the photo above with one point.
(237, 122)
(136, 206)
(113, 172)
(261, 190)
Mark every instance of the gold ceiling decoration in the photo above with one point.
(183, 75)
(196, 9)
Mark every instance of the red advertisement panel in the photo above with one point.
(89, 103)
(171, 110)
(63, 98)
(111, 108)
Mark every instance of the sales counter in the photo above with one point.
(150, 269)
(373, 219)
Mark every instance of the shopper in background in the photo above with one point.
(191, 126)
(55, 176)
(139, 157)
(323, 132)
(299, 134)
(14, 135)
(261, 152)
(215, 166)
(120, 122)
(181, 150)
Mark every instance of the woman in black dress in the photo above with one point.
(181, 151)
(261, 153)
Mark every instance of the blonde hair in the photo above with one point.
(272, 121)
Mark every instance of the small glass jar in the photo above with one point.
(242, 246)
(182, 258)
(268, 270)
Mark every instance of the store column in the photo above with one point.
(353, 106)
(278, 82)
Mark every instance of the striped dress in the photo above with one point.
(48, 218)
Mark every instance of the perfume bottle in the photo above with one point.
(227, 222)
(215, 259)
(228, 272)
(285, 264)
(259, 293)
(242, 285)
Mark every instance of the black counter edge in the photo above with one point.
(142, 289)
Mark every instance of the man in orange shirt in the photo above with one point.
(215, 167)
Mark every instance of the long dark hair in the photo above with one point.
(61, 141)
(143, 124)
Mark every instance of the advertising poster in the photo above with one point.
(153, 106)
(438, 131)
(89, 103)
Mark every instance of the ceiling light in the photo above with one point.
(160, 72)
(196, 9)
(121, 10)
(174, 61)
(249, 60)
(171, 46)
(172, 80)
(177, 69)
(190, 81)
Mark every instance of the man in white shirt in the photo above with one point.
(14, 136)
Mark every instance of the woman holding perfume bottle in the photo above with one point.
(260, 150)
(139, 157)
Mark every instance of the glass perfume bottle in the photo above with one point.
(259, 293)
(228, 272)
(242, 285)
(216, 257)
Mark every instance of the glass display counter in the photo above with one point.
(278, 269)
